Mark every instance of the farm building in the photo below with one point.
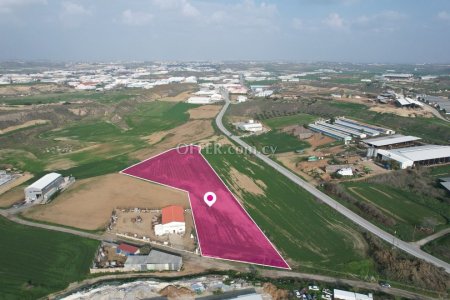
(407, 102)
(126, 249)
(250, 126)
(41, 190)
(398, 77)
(172, 221)
(389, 142)
(346, 130)
(155, 261)
(420, 155)
(370, 130)
(345, 295)
(331, 133)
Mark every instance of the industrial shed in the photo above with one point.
(41, 190)
(389, 142)
(156, 260)
(420, 155)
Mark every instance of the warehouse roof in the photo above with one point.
(391, 140)
(423, 152)
(45, 181)
(154, 257)
(172, 213)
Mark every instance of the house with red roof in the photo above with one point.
(172, 221)
(127, 249)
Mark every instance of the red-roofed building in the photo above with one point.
(172, 221)
(126, 249)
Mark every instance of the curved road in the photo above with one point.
(415, 251)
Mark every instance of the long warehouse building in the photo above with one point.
(389, 142)
(426, 155)
(331, 133)
(343, 129)
(41, 190)
(371, 130)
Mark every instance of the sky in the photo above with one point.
(358, 31)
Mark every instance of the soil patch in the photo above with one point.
(204, 112)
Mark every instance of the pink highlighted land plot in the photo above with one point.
(224, 230)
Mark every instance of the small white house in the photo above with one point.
(345, 172)
(172, 221)
(241, 98)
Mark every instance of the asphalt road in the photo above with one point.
(411, 249)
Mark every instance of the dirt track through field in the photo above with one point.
(353, 190)
(88, 204)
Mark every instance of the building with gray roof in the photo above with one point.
(156, 260)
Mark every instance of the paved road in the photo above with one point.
(411, 249)
(428, 239)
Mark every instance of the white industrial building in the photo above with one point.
(41, 190)
(398, 77)
(419, 155)
(389, 142)
(172, 221)
(345, 295)
(250, 126)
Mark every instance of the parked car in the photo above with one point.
(297, 294)
(385, 285)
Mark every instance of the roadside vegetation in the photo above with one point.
(407, 203)
(439, 248)
(37, 262)
(311, 235)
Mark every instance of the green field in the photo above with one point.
(298, 119)
(440, 171)
(279, 141)
(35, 262)
(306, 231)
(439, 248)
(115, 143)
(410, 211)
(102, 97)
